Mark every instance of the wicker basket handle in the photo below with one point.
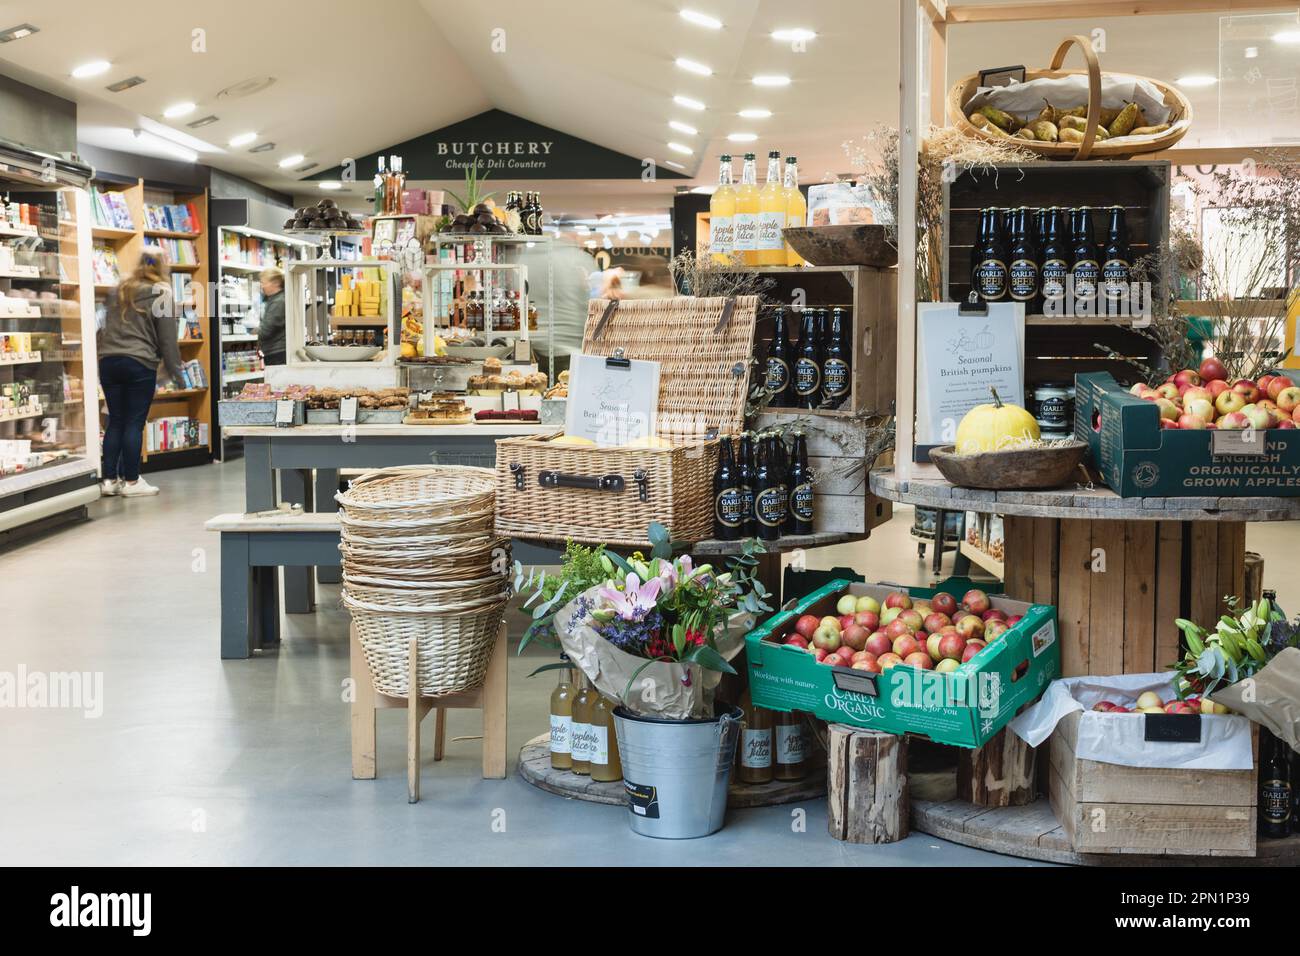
(610, 308)
(1094, 88)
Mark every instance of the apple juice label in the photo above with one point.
(1053, 278)
(1086, 274)
(721, 235)
(1024, 279)
(789, 744)
(807, 376)
(560, 727)
(745, 227)
(756, 748)
(768, 507)
(1114, 277)
(801, 502)
(769, 230)
(730, 507)
(991, 279)
(582, 740)
(778, 374)
(600, 746)
(836, 372)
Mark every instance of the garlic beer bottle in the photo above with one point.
(754, 755)
(562, 720)
(582, 735)
(605, 763)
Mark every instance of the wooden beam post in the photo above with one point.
(908, 176)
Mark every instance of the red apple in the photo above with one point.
(1168, 424)
(1168, 410)
(1197, 391)
(919, 659)
(1288, 424)
(798, 640)
(1264, 381)
(836, 660)
(872, 665)
(911, 620)
(1168, 390)
(1187, 420)
(1102, 706)
(826, 639)
(935, 621)
(932, 645)
(995, 629)
(905, 645)
(953, 646)
(898, 599)
(879, 644)
(944, 603)
(972, 648)
(846, 621)
(1212, 369)
(868, 619)
(1228, 402)
(806, 625)
(845, 652)
(1014, 620)
(1233, 421)
(970, 627)
(1187, 377)
(1137, 388)
(855, 637)
(862, 656)
(993, 614)
(1288, 399)
(886, 661)
(1295, 416)
(976, 601)
(1217, 387)
(896, 629)
(1277, 384)
(1258, 417)
(1275, 414)
(1202, 408)
(888, 614)
(923, 608)
(820, 654)
(1247, 390)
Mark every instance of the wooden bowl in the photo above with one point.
(852, 245)
(1015, 468)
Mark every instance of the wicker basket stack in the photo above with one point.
(421, 560)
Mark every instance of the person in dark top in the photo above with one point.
(139, 333)
(270, 330)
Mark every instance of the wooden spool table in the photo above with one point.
(1115, 568)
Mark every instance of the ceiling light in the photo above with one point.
(701, 19)
(331, 186)
(683, 127)
(126, 84)
(1196, 79)
(687, 102)
(771, 79)
(674, 165)
(742, 137)
(1251, 52)
(243, 139)
(178, 109)
(263, 148)
(93, 68)
(303, 169)
(1287, 36)
(293, 160)
(690, 66)
(794, 35)
(704, 190)
(679, 148)
(755, 114)
(202, 121)
(26, 30)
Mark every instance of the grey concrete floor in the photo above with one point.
(195, 760)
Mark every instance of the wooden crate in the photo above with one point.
(1107, 808)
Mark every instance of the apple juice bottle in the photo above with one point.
(562, 720)
(754, 755)
(791, 747)
(580, 735)
(605, 763)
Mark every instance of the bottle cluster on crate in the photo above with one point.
(528, 206)
(171, 217)
(175, 431)
(764, 489)
(1048, 259)
(583, 738)
(773, 745)
(109, 209)
(747, 221)
(817, 373)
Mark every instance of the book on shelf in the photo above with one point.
(172, 217)
(103, 261)
(251, 251)
(109, 209)
(179, 252)
(175, 431)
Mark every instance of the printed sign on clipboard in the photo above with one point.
(612, 401)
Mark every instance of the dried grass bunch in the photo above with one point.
(705, 279)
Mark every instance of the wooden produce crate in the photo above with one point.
(1058, 346)
(611, 495)
(1108, 808)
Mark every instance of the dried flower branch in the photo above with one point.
(704, 279)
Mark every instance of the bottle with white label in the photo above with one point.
(791, 746)
(796, 208)
(605, 763)
(562, 720)
(745, 221)
(722, 211)
(580, 735)
(754, 754)
(772, 202)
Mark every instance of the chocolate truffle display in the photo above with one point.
(324, 216)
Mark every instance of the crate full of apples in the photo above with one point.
(1196, 434)
(951, 663)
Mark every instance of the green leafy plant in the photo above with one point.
(1234, 650)
(473, 183)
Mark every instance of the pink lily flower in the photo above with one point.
(636, 600)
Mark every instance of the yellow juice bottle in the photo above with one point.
(796, 207)
(746, 217)
(722, 211)
(771, 215)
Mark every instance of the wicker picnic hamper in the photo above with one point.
(1180, 109)
(611, 495)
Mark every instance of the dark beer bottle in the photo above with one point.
(1275, 785)
(767, 500)
(808, 362)
(727, 510)
(991, 271)
(837, 359)
(1023, 282)
(801, 489)
(783, 474)
(1116, 258)
(1054, 261)
(1040, 226)
(745, 475)
(780, 381)
(1085, 268)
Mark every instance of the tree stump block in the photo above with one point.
(1253, 585)
(866, 785)
(999, 774)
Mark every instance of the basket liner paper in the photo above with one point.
(1026, 99)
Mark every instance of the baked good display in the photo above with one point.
(510, 415)
(366, 397)
(440, 409)
(561, 387)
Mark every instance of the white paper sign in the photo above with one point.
(958, 358)
(611, 405)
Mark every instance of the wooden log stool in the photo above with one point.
(866, 785)
(1002, 773)
(490, 698)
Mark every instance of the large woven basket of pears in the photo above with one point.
(1095, 129)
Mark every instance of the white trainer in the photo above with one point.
(110, 487)
(137, 489)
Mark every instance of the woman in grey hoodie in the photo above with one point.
(139, 334)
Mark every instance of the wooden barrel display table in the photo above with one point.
(1115, 568)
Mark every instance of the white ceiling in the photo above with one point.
(352, 79)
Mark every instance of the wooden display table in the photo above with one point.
(1114, 567)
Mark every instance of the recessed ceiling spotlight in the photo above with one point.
(93, 68)
(1287, 36)
(755, 114)
(673, 164)
(683, 127)
(247, 87)
(771, 79)
(1251, 52)
(331, 186)
(679, 148)
(126, 84)
(687, 102)
(178, 109)
(742, 137)
(1197, 79)
(202, 121)
(793, 35)
(690, 66)
(701, 19)
(293, 160)
(263, 148)
(26, 30)
(243, 139)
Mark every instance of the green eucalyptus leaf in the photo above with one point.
(549, 667)
(709, 659)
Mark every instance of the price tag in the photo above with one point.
(284, 412)
(348, 410)
(1239, 443)
(858, 683)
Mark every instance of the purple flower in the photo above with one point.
(636, 600)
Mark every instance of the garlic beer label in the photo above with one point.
(1053, 278)
(807, 376)
(756, 748)
(729, 507)
(769, 509)
(778, 374)
(991, 279)
(1086, 276)
(1024, 279)
(801, 502)
(1114, 277)
(836, 375)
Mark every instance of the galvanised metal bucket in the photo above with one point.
(676, 772)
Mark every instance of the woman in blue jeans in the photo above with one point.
(139, 333)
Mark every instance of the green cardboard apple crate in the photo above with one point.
(1138, 458)
(963, 708)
